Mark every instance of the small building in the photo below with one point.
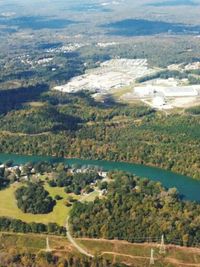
(144, 91)
(102, 174)
(158, 101)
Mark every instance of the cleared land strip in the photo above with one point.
(168, 260)
(125, 255)
(23, 134)
(149, 244)
(60, 244)
(179, 263)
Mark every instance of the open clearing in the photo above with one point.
(8, 207)
(139, 254)
(33, 243)
(121, 251)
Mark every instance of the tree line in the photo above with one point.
(118, 132)
(136, 209)
(14, 225)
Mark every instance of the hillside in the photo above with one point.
(77, 126)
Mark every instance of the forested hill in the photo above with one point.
(74, 125)
(13, 98)
(135, 210)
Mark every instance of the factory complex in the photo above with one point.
(110, 75)
(113, 75)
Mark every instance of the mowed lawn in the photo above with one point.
(8, 206)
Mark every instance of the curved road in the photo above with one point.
(74, 243)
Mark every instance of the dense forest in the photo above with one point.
(75, 183)
(33, 198)
(18, 226)
(160, 52)
(38, 120)
(13, 98)
(77, 126)
(192, 76)
(24, 259)
(194, 110)
(137, 210)
(22, 74)
(164, 74)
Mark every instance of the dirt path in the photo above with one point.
(168, 260)
(70, 237)
(174, 261)
(74, 243)
(124, 255)
(149, 244)
(179, 263)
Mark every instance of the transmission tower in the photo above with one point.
(48, 249)
(152, 257)
(162, 249)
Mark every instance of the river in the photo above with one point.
(187, 187)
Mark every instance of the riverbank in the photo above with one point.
(187, 187)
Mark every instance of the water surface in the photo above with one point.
(187, 187)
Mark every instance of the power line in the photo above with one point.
(162, 249)
(152, 257)
(48, 249)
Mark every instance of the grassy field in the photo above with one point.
(90, 197)
(8, 206)
(139, 254)
(117, 251)
(35, 104)
(33, 243)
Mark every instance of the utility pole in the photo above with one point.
(162, 246)
(152, 257)
(47, 245)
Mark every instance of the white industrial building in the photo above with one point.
(144, 91)
(180, 91)
(158, 101)
(176, 91)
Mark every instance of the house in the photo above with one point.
(102, 174)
